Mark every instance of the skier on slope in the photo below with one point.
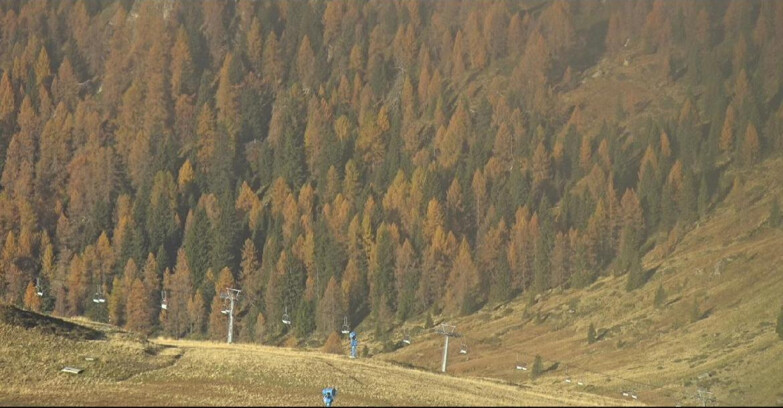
(329, 394)
(354, 344)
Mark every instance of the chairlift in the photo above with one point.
(580, 382)
(521, 365)
(346, 328)
(286, 318)
(38, 287)
(568, 377)
(634, 396)
(463, 348)
(98, 298)
(407, 338)
(226, 309)
(626, 393)
(164, 303)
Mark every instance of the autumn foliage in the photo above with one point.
(345, 160)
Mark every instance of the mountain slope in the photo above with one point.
(727, 264)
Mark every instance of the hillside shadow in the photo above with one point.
(648, 274)
(14, 316)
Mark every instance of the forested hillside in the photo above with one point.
(371, 159)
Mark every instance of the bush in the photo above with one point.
(428, 323)
(695, 313)
(538, 367)
(660, 296)
(333, 344)
(779, 329)
(774, 214)
(291, 342)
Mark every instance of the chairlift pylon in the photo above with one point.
(286, 318)
(346, 328)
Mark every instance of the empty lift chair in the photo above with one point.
(99, 298)
(521, 365)
(164, 302)
(346, 328)
(286, 318)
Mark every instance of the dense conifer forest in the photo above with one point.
(379, 160)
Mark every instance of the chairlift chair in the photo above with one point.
(520, 365)
(38, 287)
(164, 302)
(580, 382)
(226, 309)
(346, 328)
(98, 298)
(407, 338)
(286, 318)
(625, 393)
(568, 377)
(634, 396)
(463, 348)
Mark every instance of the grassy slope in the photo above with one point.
(729, 262)
(131, 371)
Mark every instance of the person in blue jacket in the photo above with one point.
(329, 394)
(354, 344)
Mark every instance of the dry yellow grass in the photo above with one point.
(208, 373)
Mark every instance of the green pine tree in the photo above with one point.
(779, 328)
(688, 199)
(224, 244)
(541, 267)
(635, 274)
(538, 368)
(660, 296)
(695, 313)
(197, 246)
(704, 196)
(305, 318)
(774, 214)
(428, 323)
